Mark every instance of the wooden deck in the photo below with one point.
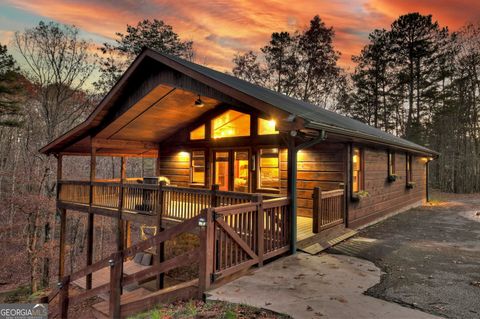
(102, 276)
(304, 228)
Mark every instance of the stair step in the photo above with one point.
(102, 308)
(322, 241)
(143, 298)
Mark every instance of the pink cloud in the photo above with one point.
(221, 28)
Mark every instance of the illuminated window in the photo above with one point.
(391, 163)
(357, 170)
(266, 127)
(198, 167)
(269, 167)
(198, 133)
(240, 171)
(409, 168)
(231, 124)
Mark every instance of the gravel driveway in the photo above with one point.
(431, 257)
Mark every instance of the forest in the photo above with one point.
(416, 79)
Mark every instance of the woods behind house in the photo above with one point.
(416, 79)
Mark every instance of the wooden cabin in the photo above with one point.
(253, 172)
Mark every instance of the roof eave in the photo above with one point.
(368, 137)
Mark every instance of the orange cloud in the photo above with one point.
(221, 28)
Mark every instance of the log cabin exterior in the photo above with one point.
(255, 170)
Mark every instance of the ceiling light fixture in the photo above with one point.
(199, 102)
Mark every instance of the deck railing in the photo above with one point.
(232, 238)
(177, 203)
(328, 208)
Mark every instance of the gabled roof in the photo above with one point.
(315, 117)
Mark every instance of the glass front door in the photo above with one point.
(232, 170)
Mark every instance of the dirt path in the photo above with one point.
(431, 257)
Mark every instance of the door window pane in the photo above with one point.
(231, 124)
(269, 168)
(221, 170)
(198, 167)
(241, 171)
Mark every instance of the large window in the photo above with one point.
(198, 167)
(269, 175)
(357, 170)
(198, 133)
(266, 127)
(391, 163)
(409, 168)
(231, 124)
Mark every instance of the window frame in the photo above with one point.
(391, 165)
(204, 168)
(212, 126)
(361, 181)
(408, 168)
(259, 170)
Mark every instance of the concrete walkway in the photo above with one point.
(322, 286)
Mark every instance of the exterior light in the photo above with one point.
(293, 133)
(199, 102)
(111, 262)
(202, 222)
(272, 124)
(59, 285)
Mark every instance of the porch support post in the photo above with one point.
(292, 191)
(120, 226)
(63, 221)
(90, 225)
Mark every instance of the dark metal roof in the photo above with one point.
(315, 116)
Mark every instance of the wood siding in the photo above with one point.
(319, 166)
(387, 197)
(175, 165)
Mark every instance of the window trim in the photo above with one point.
(259, 174)
(361, 180)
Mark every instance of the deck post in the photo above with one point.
(63, 221)
(63, 295)
(160, 280)
(317, 207)
(120, 227)
(214, 199)
(116, 271)
(207, 237)
(61, 257)
(260, 228)
(90, 225)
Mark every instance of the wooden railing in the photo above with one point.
(118, 281)
(232, 238)
(177, 203)
(328, 208)
(243, 235)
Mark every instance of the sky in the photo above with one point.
(222, 28)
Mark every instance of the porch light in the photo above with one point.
(202, 222)
(199, 102)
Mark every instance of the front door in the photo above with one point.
(231, 170)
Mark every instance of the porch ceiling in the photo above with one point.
(156, 116)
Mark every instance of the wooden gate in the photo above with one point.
(328, 208)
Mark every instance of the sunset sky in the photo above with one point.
(222, 28)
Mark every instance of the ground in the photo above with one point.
(208, 310)
(320, 286)
(430, 256)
